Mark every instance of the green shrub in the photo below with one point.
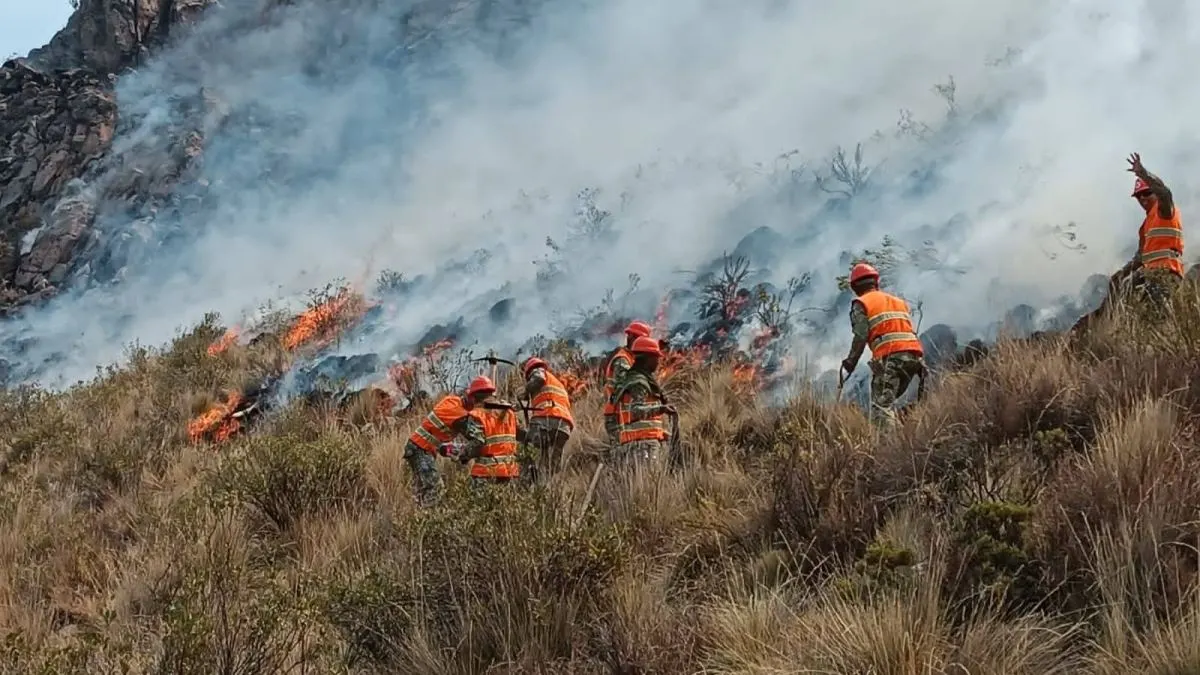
(284, 478)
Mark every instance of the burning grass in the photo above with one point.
(1037, 513)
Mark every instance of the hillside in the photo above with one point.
(244, 244)
(1035, 514)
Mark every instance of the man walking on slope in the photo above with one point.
(615, 367)
(493, 436)
(641, 406)
(882, 321)
(551, 424)
(1157, 267)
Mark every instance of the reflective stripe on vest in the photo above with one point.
(552, 400)
(498, 459)
(889, 325)
(435, 429)
(648, 429)
(610, 385)
(1160, 241)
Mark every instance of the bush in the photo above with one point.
(285, 478)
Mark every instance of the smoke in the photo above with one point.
(349, 138)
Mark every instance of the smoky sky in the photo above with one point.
(360, 143)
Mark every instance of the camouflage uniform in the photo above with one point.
(612, 425)
(890, 376)
(547, 435)
(1154, 287)
(475, 439)
(639, 386)
(427, 481)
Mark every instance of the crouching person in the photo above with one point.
(450, 417)
(493, 434)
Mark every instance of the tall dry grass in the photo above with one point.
(1036, 514)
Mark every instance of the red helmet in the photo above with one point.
(646, 345)
(533, 362)
(638, 329)
(861, 272)
(1139, 187)
(481, 385)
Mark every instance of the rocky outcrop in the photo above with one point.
(58, 117)
(52, 128)
(106, 36)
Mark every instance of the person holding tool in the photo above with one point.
(883, 322)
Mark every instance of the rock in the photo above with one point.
(106, 36)
(39, 148)
(47, 261)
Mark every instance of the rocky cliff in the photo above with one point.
(58, 117)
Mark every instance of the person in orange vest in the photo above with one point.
(882, 321)
(642, 406)
(615, 367)
(450, 418)
(1157, 267)
(551, 422)
(495, 437)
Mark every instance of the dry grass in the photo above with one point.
(1036, 514)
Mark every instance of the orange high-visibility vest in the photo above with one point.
(436, 429)
(610, 386)
(552, 400)
(1160, 241)
(891, 327)
(499, 456)
(649, 429)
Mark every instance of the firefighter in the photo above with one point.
(615, 367)
(551, 421)
(494, 438)
(450, 417)
(642, 406)
(1157, 267)
(882, 321)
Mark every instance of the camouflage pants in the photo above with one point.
(479, 482)
(637, 452)
(613, 428)
(548, 436)
(427, 482)
(1154, 287)
(890, 377)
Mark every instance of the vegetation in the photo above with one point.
(1035, 514)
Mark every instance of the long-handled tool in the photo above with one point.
(587, 497)
(842, 374)
(493, 359)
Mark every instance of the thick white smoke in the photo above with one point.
(677, 112)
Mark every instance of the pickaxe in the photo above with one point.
(493, 359)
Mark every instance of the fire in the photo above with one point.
(406, 374)
(576, 385)
(224, 342)
(660, 314)
(218, 421)
(320, 324)
(684, 358)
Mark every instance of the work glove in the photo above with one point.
(849, 365)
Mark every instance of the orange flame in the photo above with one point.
(660, 314)
(685, 358)
(320, 324)
(406, 373)
(217, 421)
(576, 384)
(224, 342)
